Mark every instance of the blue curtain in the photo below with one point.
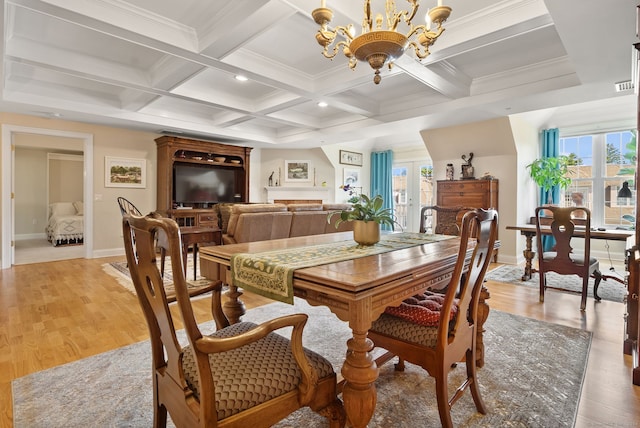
(550, 149)
(382, 178)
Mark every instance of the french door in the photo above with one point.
(412, 189)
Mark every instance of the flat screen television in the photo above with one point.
(193, 184)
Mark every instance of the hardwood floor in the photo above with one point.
(58, 312)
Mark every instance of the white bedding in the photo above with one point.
(65, 225)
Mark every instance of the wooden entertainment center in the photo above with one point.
(206, 154)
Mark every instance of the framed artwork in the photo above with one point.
(350, 158)
(297, 171)
(351, 176)
(125, 172)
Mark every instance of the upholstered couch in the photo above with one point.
(260, 222)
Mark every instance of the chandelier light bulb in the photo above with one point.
(427, 20)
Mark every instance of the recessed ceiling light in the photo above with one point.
(322, 104)
(241, 78)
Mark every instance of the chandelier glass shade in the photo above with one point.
(376, 45)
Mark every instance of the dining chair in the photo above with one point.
(562, 259)
(441, 220)
(435, 331)
(127, 207)
(242, 375)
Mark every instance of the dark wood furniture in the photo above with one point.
(194, 235)
(529, 232)
(194, 217)
(439, 343)
(356, 291)
(441, 220)
(467, 193)
(175, 150)
(632, 318)
(260, 376)
(562, 258)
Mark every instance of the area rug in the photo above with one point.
(522, 382)
(609, 289)
(120, 272)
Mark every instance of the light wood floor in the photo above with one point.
(58, 312)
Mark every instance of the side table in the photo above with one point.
(194, 235)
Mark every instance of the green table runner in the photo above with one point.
(270, 273)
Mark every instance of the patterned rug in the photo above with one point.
(522, 384)
(120, 271)
(609, 289)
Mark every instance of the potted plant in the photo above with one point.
(550, 172)
(367, 215)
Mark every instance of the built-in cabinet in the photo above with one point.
(230, 161)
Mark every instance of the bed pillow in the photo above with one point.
(62, 208)
(79, 206)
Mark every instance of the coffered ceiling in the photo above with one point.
(169, 66)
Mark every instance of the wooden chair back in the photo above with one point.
(437, 348)
(183, 377)
(441, 220)
(127, 207)
(563, 221)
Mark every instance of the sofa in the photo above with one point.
(261, 222)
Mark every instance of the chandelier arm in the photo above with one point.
(418, 51)
(422, 29)
(414, 9)
(335, 50)
(367, 22)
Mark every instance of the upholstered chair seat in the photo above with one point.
(254, 374)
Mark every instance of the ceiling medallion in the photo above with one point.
(375, 45)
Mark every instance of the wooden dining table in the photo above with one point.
(357, 291)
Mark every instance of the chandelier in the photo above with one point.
(375, 45)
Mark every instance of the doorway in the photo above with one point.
(412, 189)
(9, 135)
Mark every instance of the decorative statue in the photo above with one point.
(467, 168)
(271, 179)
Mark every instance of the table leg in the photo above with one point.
(185, 251)
(233, 308)
(529, 254)
(360, 372)
(195, 260)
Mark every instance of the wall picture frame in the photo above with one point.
(350, 158)
(125, 172)
(351, 176)
(297, 171)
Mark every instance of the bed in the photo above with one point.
(66, 223)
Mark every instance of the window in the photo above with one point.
(600, 163)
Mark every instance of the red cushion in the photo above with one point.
(423, 309)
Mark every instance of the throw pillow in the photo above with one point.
(79, 206)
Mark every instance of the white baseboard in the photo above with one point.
(25, 236)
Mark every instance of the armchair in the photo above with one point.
(243, 375)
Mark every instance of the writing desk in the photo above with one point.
(357, 291)
(529, 231)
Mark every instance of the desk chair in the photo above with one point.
(435, 331)
(243, 375)
(563, 259)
